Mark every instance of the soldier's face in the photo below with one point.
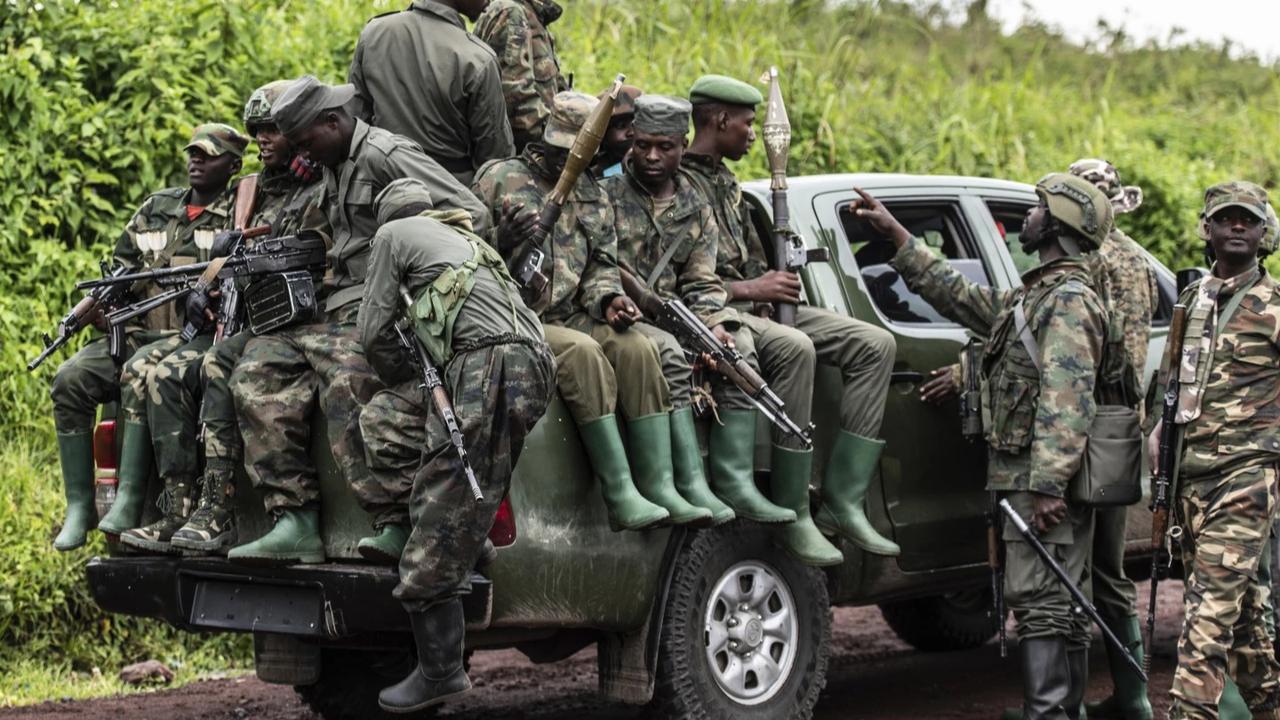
(1033, 227)
(655, 158)
(210, 173)
(618, 137)
(321, 141)
(737, 132)
(1234, 234)
(274, 149)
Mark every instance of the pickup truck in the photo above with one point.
(713, 623)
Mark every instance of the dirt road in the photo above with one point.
(873, 676)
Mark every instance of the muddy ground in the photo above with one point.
(873, 676)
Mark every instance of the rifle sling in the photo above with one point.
(663, 262)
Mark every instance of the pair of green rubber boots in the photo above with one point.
(75, 452)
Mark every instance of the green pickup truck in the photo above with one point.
(708, 623)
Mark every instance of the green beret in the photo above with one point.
(303, 101)
(722, 89)
(662, 115)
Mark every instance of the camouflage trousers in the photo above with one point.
(137, 369)
(1226, 522)
(788, 358)
(223, 449)
(599, 368)
(278, 385)
(499, 392)
(173, 409)
(91, 378)
(1040, 604)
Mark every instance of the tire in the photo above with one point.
(351, 679)
(955, 621)
(785, 628)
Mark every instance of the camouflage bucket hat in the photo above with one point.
(1106, 178)
(400, 194)
(214, 139)
(569, 113)
(1078, 204)
(662, 115)
(258, 110)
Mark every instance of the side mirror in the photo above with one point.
(1187, 276)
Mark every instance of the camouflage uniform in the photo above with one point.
(420, 74)
(517, 32)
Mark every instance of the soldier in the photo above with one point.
(723, 114)
(517, 32)
(618, 136)
(667, 239)
(282, 376)
(500, 376)
(586, 318)
(1039, 385)
(1228, 407)
(420, 74)
(177, 227)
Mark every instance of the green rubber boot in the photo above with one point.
(733, 441)
(177, 502)
(790, 484)
(75, 451)
(1129, 700)
(213, 525)
(135, 470)
(294, 539)
(628, 510)
(686, 460)
(1231, 705)
(385, 547)
(852, 464)
(650, 439)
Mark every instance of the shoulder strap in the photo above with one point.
(664, 260)
(1024, 333)
(1229, 309)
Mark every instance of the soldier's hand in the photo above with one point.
(517, 225)
(762, 309)
(304, 169)
(776, 286)
(878, 216)
(223, 242)
(1047, 512)
(941, 387)
(1153, 450)
(622, 313)
(199, 309)
(98, 318)
(723, 336)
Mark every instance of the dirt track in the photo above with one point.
(873, 675)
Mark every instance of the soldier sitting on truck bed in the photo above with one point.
(600, 361)
(468, 319)
(723, 113)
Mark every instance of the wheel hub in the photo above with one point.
(751, 632)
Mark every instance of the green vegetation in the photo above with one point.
(99, 98)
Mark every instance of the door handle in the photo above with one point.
(906, 376)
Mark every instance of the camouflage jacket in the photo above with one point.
(288, 204)
(583, 251)
(643, 239)
(420, 74)
(741, 252)
(1036, 420)
(517, 32)
(1239, 403)
(1132, 293)
(376, 158)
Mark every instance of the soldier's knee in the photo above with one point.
(634, 347)
(797, 346)
(881, 344)
(69, 381)
(580, 355)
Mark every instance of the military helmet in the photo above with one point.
(258, 110)
(1105, 177)
(1079, 205)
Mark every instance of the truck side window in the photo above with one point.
(940, 226)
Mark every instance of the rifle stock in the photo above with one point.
(100, 297)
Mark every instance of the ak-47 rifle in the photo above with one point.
(1164, 473)
(435, 389)
(99, 299)
(229, 320)
(971, 430)
(528, 271)
(1082, 603)
(789, 252)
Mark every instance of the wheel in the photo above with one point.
(955, 621)
(351, 679)
(746, 631)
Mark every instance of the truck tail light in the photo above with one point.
(104, 445)
(503, 532)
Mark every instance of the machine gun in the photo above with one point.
(435, 389)
(1162, 535)
(100, 298)
(789, 252)
(528, 270)
(1082, 603)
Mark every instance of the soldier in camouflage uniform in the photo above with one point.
(1039, 391)
(282, 377)
(1229, 408)
(600, 361)
(667, 239)
(517, 32)
(467, 316)
(420, 74)
(171, 228)
(617, 137)
(723, 114)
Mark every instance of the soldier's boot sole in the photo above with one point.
(276, 559)
(212, 546)
(156, 546)
(386, 547)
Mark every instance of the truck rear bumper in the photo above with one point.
(331, 601)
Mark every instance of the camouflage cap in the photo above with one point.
(626, 102)
(569, 111)
(1106, 178)
(214, 139)
(258, 110)
(662, 115)
(304, 100)
(1078, 204)
(723, 89)
(399, 194)
(1237, 193)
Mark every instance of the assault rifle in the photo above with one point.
(1082, 603)
(100, 298)
(435, 389)
(1163, 473)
